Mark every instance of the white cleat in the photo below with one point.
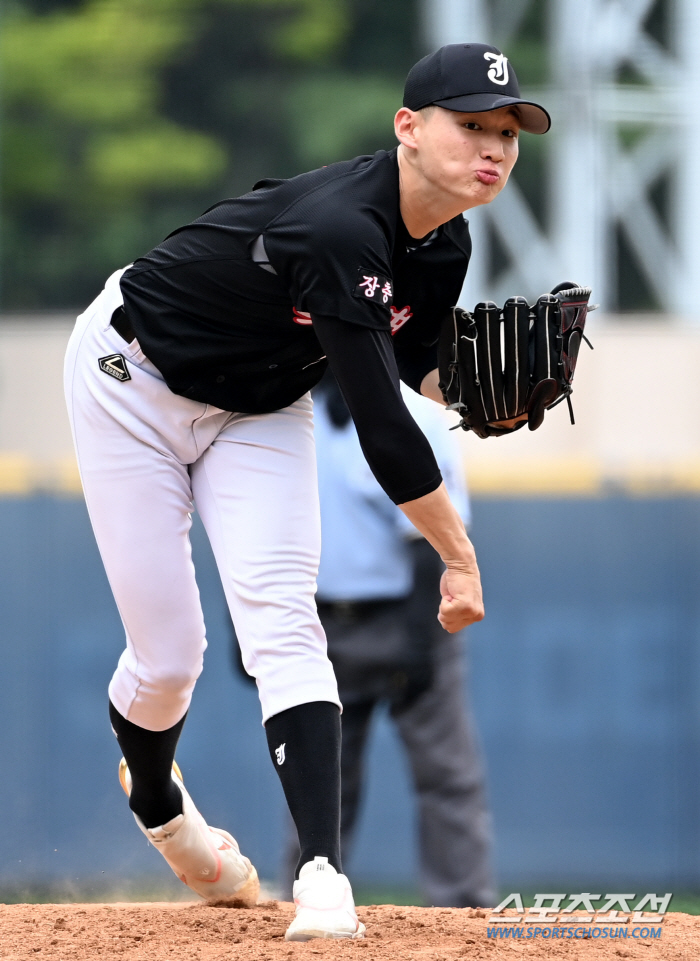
(206, 859)
(325, 906)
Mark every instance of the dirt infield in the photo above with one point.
(167, 932)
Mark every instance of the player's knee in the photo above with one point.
(174, 681)
(175, 677)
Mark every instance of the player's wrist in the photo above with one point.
(460, 557)
(437, 520)
(465, 568)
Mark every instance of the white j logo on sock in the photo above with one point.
(279, 753)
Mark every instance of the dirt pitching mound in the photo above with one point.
(169, 932)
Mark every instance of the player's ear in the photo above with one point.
(404, 126)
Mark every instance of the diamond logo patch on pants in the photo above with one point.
(115, 366)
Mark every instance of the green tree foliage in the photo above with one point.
(125, 118)
(83, 138)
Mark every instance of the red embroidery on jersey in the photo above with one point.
(399, 318)
(301, 317)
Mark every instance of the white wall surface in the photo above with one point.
(637, 407)
(36, 449)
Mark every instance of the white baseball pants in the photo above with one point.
(145, 455)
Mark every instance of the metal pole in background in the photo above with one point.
(578, 168)
(2, 198)
(534, 260)
(453, 21)
(459, 21)
(685, 157)
(613, 141)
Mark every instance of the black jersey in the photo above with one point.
(223, 330)
(243, 308)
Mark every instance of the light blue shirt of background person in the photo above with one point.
(364, 553)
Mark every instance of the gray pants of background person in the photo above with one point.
(437, 731)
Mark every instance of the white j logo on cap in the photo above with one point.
(498, 71)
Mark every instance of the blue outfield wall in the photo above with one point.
(585, 679)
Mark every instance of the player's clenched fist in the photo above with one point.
(461, 603)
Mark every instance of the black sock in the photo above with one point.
(304, 744)
(154, 797)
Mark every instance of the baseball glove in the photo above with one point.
(501, 369)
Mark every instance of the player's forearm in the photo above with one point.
(429, 387)
(435, 516)
(460, 585)
(394, 446)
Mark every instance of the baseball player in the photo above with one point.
(188, 382)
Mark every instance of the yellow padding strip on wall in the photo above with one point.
(21, 476)
(540, 478)
(579, 477)
(16, 472)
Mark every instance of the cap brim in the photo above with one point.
(533, 118)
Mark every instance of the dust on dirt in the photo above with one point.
(169, 932)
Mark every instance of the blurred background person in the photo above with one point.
(377, 588)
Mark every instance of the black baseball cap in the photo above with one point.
(471, 78)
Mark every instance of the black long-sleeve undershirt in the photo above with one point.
(397, 451)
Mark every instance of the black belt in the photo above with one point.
(357, 610)
(122, 325)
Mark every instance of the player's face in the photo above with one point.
(468, 156)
